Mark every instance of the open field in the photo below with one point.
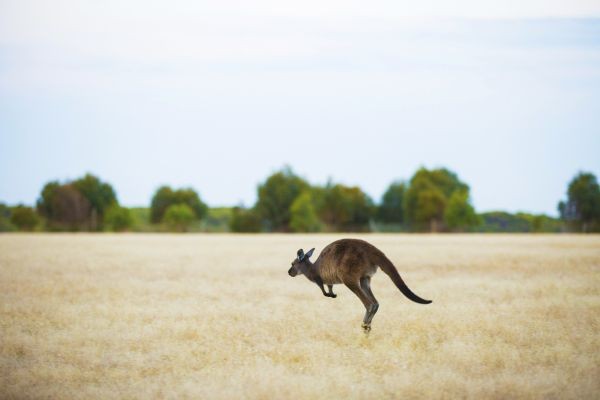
(216, 316)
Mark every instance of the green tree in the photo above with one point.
(5, 225)
(244, 220)
(460, 214)
(76, 205)
(427, 196)
(275, 197)
(178, 217)
(166, 197)
(64, 207)
(101, 196)
(430, 211)
(24, 218)
(581, 211)
(304, 217)
(118, 219)
(391, 209)
(46, 201)
(191, 198)
(162, 199)
(345, 208)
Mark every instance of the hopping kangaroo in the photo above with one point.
(352, 262)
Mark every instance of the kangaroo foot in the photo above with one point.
(366, 327)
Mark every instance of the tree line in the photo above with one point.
(432, 200)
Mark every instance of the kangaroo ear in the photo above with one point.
(310, 253)
(300, 254)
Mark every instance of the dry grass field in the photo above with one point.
(217, 317)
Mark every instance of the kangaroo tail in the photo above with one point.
(386, 266)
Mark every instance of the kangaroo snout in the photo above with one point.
(292, 272)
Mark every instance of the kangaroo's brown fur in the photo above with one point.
(352, 262)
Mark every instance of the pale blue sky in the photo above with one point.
(218, 96)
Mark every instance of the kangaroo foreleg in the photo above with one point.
(319, 283)
(331, 294)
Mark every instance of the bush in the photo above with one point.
(459, 214)
(304, 217)
(217, 219)
(118, 219)
(166, 197)
(24, 218)
(581, 211)
(344, 209)
(65, 208)
(427, 196)
(275, 197)
(391, 209)
(244, 220)
(178, 217)
(101, 196)
(5, 225)
(501, 221)
(76, 205)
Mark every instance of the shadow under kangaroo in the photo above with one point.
(352, 262)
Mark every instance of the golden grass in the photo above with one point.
(217, 316)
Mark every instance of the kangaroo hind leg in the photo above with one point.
(364, 298)
(365, 285)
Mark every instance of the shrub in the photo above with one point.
(76, 205)
(166, 197)
(118, 219)
(304, 217)
(344, 208)
(244, 220)
(459, 214)
(178, 217)
(5, 225)
(391, 209)
(275, 197)
(24, 218)
(581, 211)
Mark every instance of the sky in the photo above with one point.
(218, 95)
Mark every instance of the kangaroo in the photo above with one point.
(352, 262)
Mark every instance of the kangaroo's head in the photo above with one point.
(301, 262)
